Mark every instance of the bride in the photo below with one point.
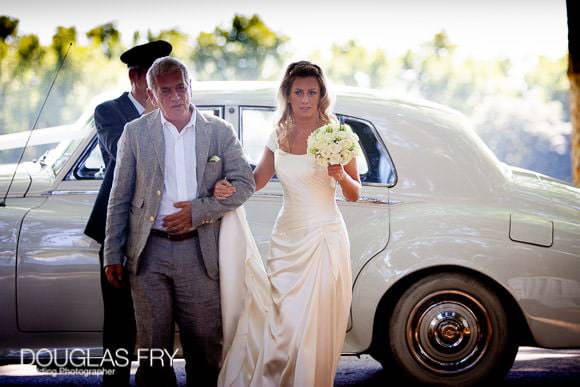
(293, 321)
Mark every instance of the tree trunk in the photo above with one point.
(573, 12)
(575, 121)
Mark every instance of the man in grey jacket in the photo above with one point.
(163, 220)
(110, 119)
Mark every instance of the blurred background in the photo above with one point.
(501, 63)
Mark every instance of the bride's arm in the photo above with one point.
(265, 169)
(262, 174)
(348, 178)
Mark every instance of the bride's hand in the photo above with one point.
(336, 171)
(223, 189)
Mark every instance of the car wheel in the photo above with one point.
(451, 328)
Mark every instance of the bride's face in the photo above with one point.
(304, 98)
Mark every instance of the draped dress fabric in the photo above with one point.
(294, 314)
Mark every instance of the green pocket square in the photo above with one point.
(214, 159)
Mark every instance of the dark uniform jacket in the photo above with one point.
(110, 119)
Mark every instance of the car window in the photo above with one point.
(58, 156)
(217, 111)
(91, 165)
(256, 125)
(375, 166)
(379, 166)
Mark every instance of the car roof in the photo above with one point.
(265, 92)
(415, 131)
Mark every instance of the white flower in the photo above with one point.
(333, 144)
(335, 159)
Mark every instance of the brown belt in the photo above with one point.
(174, 237)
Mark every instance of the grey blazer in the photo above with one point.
(138, 185)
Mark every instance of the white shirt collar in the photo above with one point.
(138, 106)
(190, 124)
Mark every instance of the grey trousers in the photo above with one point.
(172, 286)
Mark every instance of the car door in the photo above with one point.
(367, 220)
(58, 283)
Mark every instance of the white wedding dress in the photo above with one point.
(284, 325)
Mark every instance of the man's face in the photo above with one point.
(173, 96)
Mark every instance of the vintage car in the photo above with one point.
(457, 258)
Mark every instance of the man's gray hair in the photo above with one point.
(165, 65)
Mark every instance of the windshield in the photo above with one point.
(57, 157)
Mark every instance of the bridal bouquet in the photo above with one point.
(333, 144)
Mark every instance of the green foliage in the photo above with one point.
(62, 39)
(548, 79)
(108, 38)
(27, 69)
(352, 64)
(8, 27)
(247, 49)
(29, 51)
(182, 47)
(435, 72)
(441, 44)
(238, 52)
(526, 132)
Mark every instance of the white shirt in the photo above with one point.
(137, 104)
(180, 179)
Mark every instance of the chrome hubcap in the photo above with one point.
(448, 331)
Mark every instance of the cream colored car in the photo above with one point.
(457, 258)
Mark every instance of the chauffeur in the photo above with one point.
(110, 119)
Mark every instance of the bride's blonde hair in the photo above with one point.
(301, 69)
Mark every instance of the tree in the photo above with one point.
(526, 132)
(239, 52)
(20, 57)
(30, 53)
(573, 12)
(61, 40)
(354, 65)
(548, 78)
(182, 48)
(70, 73)
(248, 49)
(108, 38)
(435, 72)
(8, 28)
(29, 56)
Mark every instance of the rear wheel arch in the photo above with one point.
(388, 301)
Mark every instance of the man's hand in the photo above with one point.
(180, 222)
(115, 275)
(223, 189)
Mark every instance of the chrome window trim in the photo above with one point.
(362, 199)
(70, 175)
(380, 140)
(69, 192)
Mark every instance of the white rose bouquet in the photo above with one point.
(333, 144)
